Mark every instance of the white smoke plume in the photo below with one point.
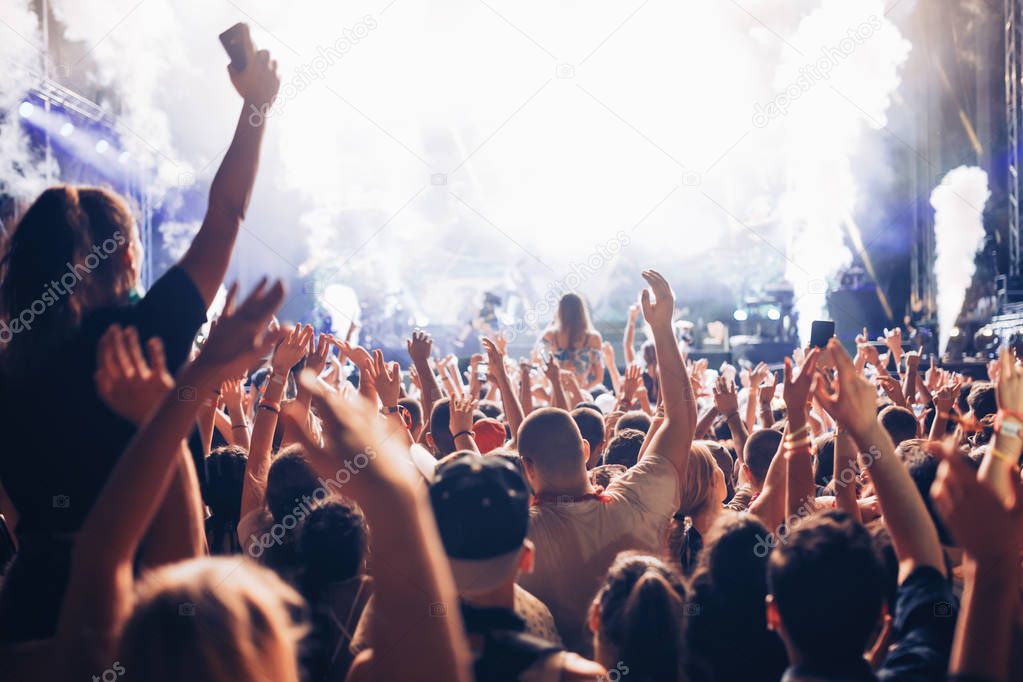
(958, 232)
(444, 133)
(837, 76)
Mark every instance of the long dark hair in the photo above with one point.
(573, 319)
(63, 260)
(225, 474)
(642, 607)
(727, 604)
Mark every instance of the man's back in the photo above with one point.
(576, 541)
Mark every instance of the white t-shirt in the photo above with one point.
(576, 542)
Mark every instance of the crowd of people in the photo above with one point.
(262, 502)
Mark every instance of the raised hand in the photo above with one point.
(462, 408)
(633, 313)
(420, 346)
(125, 382)
(552, 370)
(796, 387)
(292, 349)
(767, 389)
(985, 526)
(852, 400)
(1009, 386)
(242, 335)
(501, 341)
(387, 379)
(893, 339)
(609, 354)
(725, 399)
(633, 380)
(758, 375)
(893, 389)
(318, 355)
(658, 301)
(727, 370)
(495, 354)
(233, 394)
(259, 82)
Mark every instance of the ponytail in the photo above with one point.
(642, 609)
(653, 629)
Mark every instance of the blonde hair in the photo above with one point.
(698, 489)
(213, 620)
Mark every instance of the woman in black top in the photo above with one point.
(70, 270)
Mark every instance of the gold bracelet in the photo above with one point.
(797, 432)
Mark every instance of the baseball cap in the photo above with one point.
(489, 434)
(482, 509)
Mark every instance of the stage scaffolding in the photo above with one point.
(1013, 112)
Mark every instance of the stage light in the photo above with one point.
(740, 315)
(102, 146)
(67, 129)
(954, 333)
(986, 340)
(123, 157)
(773, 314)
(26, 109)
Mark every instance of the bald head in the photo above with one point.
(550, 442)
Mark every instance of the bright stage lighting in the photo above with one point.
(102, 146)
(773, 314)
(740, 315)
(26, 110)
(67, 129)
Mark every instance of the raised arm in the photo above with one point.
(675, 436)
(629, 341)
(726, 402)
(460, 422)
(207, 258)
(285, 356)
(853, 406)
(525, 389)
(413, 587)
(420, 346)
(799, 488)
(134, 387)
(510, 403)
(1001, 463)
(991, 534)
(553, 372)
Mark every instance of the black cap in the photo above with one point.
(481, 505)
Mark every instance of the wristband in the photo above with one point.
(1012, 461)
(461, 433)
(801, 430)
(389, 410)
(1008, 424)
(797, 445)
(270, 405)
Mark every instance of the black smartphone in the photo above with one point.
(821, 332)
(235, 41)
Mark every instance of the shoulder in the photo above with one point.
(594, 339)
(575, 668)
